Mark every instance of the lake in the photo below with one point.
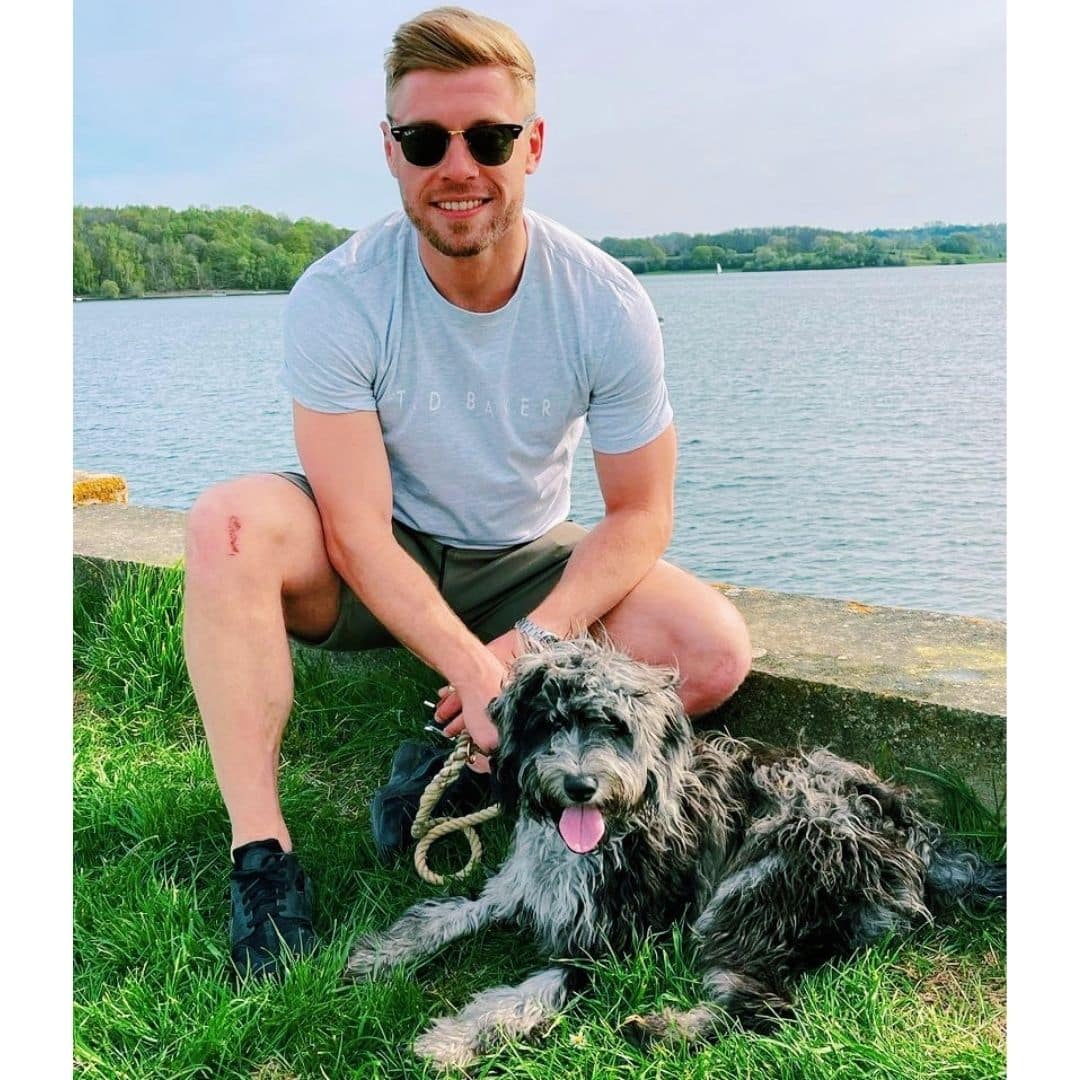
(841, 432)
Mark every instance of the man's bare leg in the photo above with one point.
(673, 618)
(255, 564)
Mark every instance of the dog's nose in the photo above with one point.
(580, 788)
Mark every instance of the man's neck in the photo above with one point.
(483, 282)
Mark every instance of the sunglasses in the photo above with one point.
(490, 144)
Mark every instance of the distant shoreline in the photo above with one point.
(958, 260)
(157, 253)
(183, 293)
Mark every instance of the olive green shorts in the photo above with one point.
(489, 589)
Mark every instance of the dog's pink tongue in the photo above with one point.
(581, 827)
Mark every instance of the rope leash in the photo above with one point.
(426, 829)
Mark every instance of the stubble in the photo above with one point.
(461, 242)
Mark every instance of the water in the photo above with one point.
(841, 433)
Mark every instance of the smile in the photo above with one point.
(460, 206)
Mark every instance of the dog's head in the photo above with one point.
(589, 739)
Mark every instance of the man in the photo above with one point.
(442, 364)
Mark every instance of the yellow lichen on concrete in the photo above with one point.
(87, 488)
(979, 658)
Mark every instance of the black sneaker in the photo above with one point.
(271, 909)
(394, 806)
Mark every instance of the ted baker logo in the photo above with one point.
(481, 406)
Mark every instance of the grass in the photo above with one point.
(152, 997)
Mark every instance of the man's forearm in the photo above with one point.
(605, 565)
(403, 598)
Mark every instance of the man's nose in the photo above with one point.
(458, 163)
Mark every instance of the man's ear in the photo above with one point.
(388, 148)
(536, 146)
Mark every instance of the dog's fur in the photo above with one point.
(778, 860)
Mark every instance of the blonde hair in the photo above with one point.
(454, 39)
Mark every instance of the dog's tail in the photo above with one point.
(955, 875)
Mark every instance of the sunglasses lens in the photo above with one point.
(491, 144)
(424, 145)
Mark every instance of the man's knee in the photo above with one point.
(675, 618)
(721, 660)
(234, 528)
(261, 537)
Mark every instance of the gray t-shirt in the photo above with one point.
(480, 412)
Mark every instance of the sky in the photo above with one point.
(685, 116)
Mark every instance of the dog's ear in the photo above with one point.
(677, 731)
(505, 758)
(651, 698)
(513, 712)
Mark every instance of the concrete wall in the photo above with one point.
(881, 685)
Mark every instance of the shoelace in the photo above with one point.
(263, 891)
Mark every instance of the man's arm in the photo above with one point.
(628, 403)
(345, 460)
(639, 505)
(638, 488)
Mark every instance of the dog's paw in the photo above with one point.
(365, 961)
(671, 1026)
(705, 1022)
(449, 1043)
(647, 1030)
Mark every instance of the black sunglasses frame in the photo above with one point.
(508, 133)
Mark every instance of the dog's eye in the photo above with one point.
(616, 726)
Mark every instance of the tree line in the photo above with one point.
(135, 250)
(803, 248)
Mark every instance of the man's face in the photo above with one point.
(458, 100)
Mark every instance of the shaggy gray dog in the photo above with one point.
(628, 823)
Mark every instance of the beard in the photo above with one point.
(463, 239)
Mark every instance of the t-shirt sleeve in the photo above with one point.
(628, 404)
(330, 351)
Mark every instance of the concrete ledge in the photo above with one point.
(129, 534)
(877, 684)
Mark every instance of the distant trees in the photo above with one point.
(959, 244)
(642, 254)
(803, 248)
(706, 256)
(131, 250)
(85, 277)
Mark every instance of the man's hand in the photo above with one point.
(465, 708)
